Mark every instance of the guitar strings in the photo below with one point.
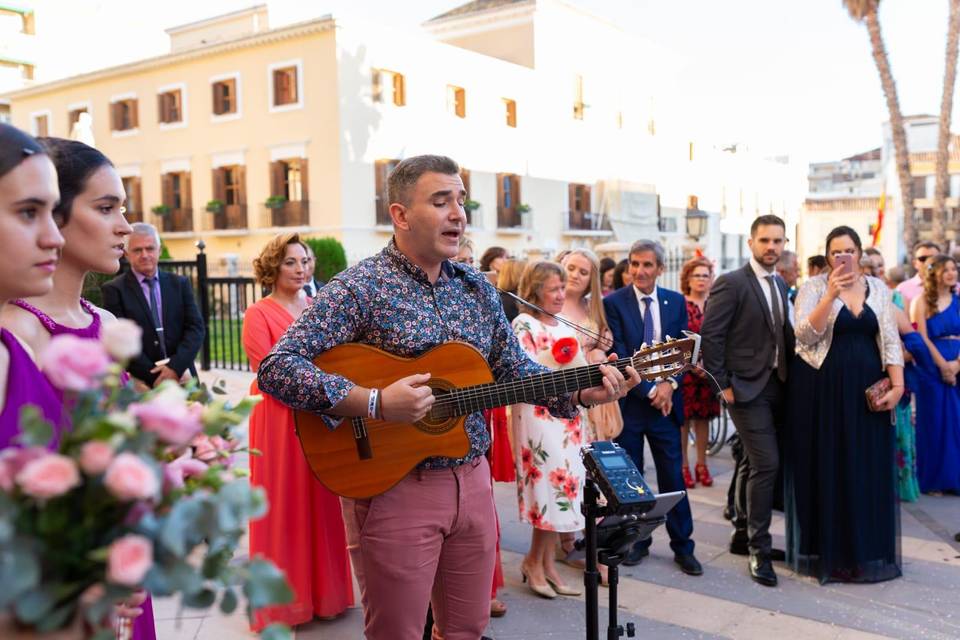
(601, 340)
(470, 395)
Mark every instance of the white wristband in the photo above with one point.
(372, 404)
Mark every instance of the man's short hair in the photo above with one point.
(145, 229)
(405, 175)
(766, 221)
(872, 251)
(642, 246)
(787, 257)
(926, 244)
(817, 262)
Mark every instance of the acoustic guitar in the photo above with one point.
(363, 457)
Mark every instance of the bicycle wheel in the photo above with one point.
(718, 433)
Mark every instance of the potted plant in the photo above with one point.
(216, 206)
(526, 214)
(161, 210)
(471, 205)
(275, 202)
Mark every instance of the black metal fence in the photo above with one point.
(222, 302)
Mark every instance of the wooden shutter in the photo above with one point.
(166, 189)
(277, 177)
(163, 108)
(134, 119)
(277, 87)
(134, 199)
(186, 195)
(219, 185)
(114, 116)
(241, 176)
(572, 197)
(216, 90)
(399, 91)
(304, 197)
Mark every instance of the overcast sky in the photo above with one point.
(791, 77)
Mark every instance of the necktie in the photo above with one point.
(648, 320)
(778, 329)
(155, 312)
(309, 289)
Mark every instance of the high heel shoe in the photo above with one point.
(544, 591)
(562, 589)
(688, 481)
(703, 475)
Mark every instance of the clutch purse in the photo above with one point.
(876, 391)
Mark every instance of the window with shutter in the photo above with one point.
(511, 111)
(456, 101)
(124, 115)
(382, 169)
(170, 106)
(74, 116)
(508, 197)
(225, 97)
(578, 105)
(399, 90)
(285, 86)
(41, 125)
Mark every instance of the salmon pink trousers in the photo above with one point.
(430, 539)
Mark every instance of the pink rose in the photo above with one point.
(173, 422)
(183, 467)
(48, 477)
(212, 448)
(122, 339)
(74, 364)
(130, 478)
(129, 559)
(95, 457)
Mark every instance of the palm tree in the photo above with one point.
(865, 11)
(946, 107)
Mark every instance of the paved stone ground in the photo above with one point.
(723, 603)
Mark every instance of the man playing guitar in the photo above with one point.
(432, 536)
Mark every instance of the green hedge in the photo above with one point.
(331, 258)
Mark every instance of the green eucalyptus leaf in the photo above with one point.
(19, 572)
(158, 581)
(183, 577)
(105, 634)
(266, 585)
(276, 631)
(229, 602)
(202, 599)
(34, 430)
(59, 617)
(32, 606)
(178, 525)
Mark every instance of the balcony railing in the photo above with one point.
(133, 216)
(509, 219)
(291, 214)
(231, 216)
(178, 220)
(587, 221)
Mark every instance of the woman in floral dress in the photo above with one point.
(549, 472)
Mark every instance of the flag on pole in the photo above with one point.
(879, 225)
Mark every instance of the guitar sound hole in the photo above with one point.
(440, 418)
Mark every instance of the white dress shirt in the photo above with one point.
(654, 309)
(762, 274)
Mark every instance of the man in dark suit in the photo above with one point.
(747, 343)
(312, 284)
(644, 313)
(162, 304)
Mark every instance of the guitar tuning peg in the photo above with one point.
(643, 345)
(669, 339)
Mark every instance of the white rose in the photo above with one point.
(122, 339)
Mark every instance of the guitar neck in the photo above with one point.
(467, 400)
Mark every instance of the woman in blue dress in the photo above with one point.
(841, 495)
(937, 315)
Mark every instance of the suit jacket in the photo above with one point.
(183, 328)
(315, 286)
(738, 340)
(626, 323)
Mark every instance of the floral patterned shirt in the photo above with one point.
(388, 302)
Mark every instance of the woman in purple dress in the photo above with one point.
(91, 218)
(29, 243)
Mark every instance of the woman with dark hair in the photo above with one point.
(90, 215)
(937, 315)
(841, 503)
(492, 259)
(29, 243)
(700, 402)
(621, 274)
(303, 532)
(607, 265)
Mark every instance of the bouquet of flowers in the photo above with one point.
(140, 492)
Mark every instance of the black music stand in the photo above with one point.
(608, 543)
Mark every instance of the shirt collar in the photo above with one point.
(448, 268)
(140, 277)
(641, 295)
(759, 270)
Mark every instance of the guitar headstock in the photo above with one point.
(662, 360)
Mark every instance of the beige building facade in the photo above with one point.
(242, 131)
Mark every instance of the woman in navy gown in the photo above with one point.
(841, 500)
(937, 314)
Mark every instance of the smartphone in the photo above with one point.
(843, 263)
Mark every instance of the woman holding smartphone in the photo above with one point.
(841, 502)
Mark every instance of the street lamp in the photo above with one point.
(697, 223)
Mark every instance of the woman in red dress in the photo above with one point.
(700, 403)
(303, 530)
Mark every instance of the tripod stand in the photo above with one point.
(609, 541)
